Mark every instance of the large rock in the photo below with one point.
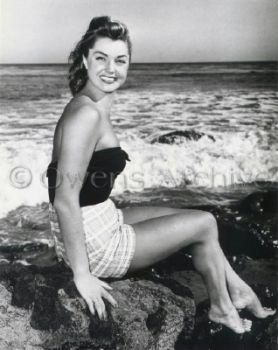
(40, 307)
(249, 227)
(25, 235)
(258, 203)
(263, 335)
(179, 136)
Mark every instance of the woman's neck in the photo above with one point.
(103, 102)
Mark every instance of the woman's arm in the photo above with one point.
(80, 133)
(79, 136)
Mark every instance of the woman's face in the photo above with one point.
(107, 64)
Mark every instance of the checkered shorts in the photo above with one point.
(110, 243)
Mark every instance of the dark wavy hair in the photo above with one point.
(100, 27)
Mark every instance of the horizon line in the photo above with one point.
(145, 62)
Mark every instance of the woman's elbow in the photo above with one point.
(65, 202)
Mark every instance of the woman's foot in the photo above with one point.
(230, 320)
(246, 298)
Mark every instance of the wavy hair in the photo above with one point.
(100, 27)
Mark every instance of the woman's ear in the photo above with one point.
(85, 62)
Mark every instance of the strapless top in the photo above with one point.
(104, 166)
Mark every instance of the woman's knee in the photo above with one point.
(212, 229)
(208, 227)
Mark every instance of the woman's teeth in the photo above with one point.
(108, 79)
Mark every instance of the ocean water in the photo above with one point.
(236, 103)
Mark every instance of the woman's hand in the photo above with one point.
(93, 290)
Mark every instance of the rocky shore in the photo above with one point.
(163, 307)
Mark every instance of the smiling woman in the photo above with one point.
(89, 232)
(107, 65)
(90, 49)
(91, 235)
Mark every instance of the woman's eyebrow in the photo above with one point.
(104, 54)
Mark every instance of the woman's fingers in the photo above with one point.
(109, 297)
(100, 307)
(90, 305)
(95, 302)
(105, 285)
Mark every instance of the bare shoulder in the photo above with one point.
(80, 108)
(81, 117)
(78, 127)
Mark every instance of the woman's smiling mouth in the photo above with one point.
(108, 80)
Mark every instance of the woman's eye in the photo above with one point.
(121, 61)
(100, 58)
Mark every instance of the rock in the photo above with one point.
(210, 336)
(15, 329)
(260, 202)
(270, 340)
(29, 241)
(180, 135)
(41, 307)
(39, 302)
(253, 239)
(30, 217)
(243, 231)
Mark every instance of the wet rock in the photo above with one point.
(24, 291)
(253, 239)
(243, 231)
(260, 202)
(25, 236)
(23, 251)
(49, 312)
(42, 304)
(270, 340)
(31, 217)
(180, 135)
(14, 325)
(211, 336)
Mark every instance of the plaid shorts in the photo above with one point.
(110, 243)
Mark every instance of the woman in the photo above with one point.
(94, 237)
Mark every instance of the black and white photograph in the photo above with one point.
(139, 172)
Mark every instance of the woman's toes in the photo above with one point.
(266, 312)
(238, 329)
(251, 302)
(246, 298)
(231, 320)
(259, 311)
(270, 310)
(247, 325)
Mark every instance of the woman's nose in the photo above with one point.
(110, 67)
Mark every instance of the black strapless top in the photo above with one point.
(104, 166)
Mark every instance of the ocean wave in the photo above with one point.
(229, 160)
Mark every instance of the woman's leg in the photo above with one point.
(160, 237)
(136, 214)
(241, 294)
